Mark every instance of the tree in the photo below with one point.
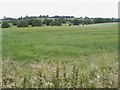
(30, 21)
(56, 23)
(14, 22)
(98, 20)
(76, 22)
(47, 22)
(87, 21)
(22, 23)
(5, 25)
(62, 20)
(36, 23)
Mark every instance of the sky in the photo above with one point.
(77, 8)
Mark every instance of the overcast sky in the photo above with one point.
(78, 8)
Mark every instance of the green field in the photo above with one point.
(87, 55)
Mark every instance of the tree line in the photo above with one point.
(36, 21)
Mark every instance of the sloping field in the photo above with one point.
(63, 56)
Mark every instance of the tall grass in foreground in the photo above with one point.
(61, 75)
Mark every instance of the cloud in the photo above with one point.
(78, 9)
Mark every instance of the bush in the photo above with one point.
(56, 23)
(47, 22)
(87, 21)
(36, 23)
(99, 20)
(62, 20)
(5, 25)
(22, 23)
(30, 21)
(76, 22)
(14, 22)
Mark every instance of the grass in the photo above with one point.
(63, 56)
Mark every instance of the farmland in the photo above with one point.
(60, 56)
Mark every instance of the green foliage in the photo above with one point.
(14, 22)
(62, 20)
(99, 20)
(56, 23)
(76, 22)
(5, 24)
(36, 22)
(87, 21)
(22, 23)
(47, 22)
(58, 20)
(30, 21)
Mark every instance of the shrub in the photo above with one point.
(36, 23)
(14, 22)
(56, 23)
(5, 25)
(98, 20)
(47, 22)
(87, 21)
(30, 21)
(76, 22)
(22, 23)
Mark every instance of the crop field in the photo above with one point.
(60, 56)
